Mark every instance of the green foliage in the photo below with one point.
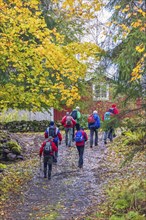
(2, 166)
(14, 147)
(15, 175)
(83, 121)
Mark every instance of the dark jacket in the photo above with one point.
(57, 137)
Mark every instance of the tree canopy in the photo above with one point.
(38, 69)
(127, 30)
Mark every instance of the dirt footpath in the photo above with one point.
(72, 192)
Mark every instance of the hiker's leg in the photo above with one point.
(96, 136)
(73, 133)
(70, 135)
(110, 134)
(81, 152)
(50, 167)
(66, 136)
(105, 136)
(77, 126)
(91, 136)
(45, 167)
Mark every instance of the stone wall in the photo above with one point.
(26, 126)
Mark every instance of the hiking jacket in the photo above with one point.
(115, 111)
(78, 144)
(78, 116)
(96, 123)
(63, 122)
(58, 136)
(54, 148)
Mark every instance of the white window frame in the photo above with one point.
(100, 97)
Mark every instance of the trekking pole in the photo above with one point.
(40, 166)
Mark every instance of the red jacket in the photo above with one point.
(54, 148)
(78, 144)
(63, 122)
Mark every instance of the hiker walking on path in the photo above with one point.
(68, 122)
(80, 139)
(48, 148)
(54, 131)
(76, 116)
(108, 128)
(115, 111)
(93, 125)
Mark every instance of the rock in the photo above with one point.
(20, 157)
(11, 156)
(6, 151)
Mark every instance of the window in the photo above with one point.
(101, 92)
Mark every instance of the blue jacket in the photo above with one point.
(96, 123)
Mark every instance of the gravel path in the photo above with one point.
(71, 193)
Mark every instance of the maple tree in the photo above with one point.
(38, 70)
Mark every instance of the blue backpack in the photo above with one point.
(107, 116)
(79, 137)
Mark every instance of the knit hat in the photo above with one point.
(113, 105)
(94, 112)
(50, 137)
(51, 123)
(77, 107)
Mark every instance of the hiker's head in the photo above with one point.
(78, 108)
(81, 128)
(67, 113)
(94, 112)
(51, 123)
(113, 105)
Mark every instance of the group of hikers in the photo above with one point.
(74, 133)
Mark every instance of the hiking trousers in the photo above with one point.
(81, 152)
(93, 131)
(68, 136)
(108, 134)
(48, 160)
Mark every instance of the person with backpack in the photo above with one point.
(108, 133)
(68, 122)
(115, 111)
(80, 139)
(76, 116)
(54, 131)
(48, 148)
(94, 125)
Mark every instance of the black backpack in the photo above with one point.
(52, 131)
(47, 148)
(74, 114)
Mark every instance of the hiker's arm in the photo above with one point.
(54, 148)
(59, 136)
(78, 115)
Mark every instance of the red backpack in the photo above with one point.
(91, 119)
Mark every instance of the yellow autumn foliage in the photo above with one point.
(40, 72)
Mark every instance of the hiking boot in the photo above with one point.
(91, 146)
(105, 142)
(49, 177)
(45, 176)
